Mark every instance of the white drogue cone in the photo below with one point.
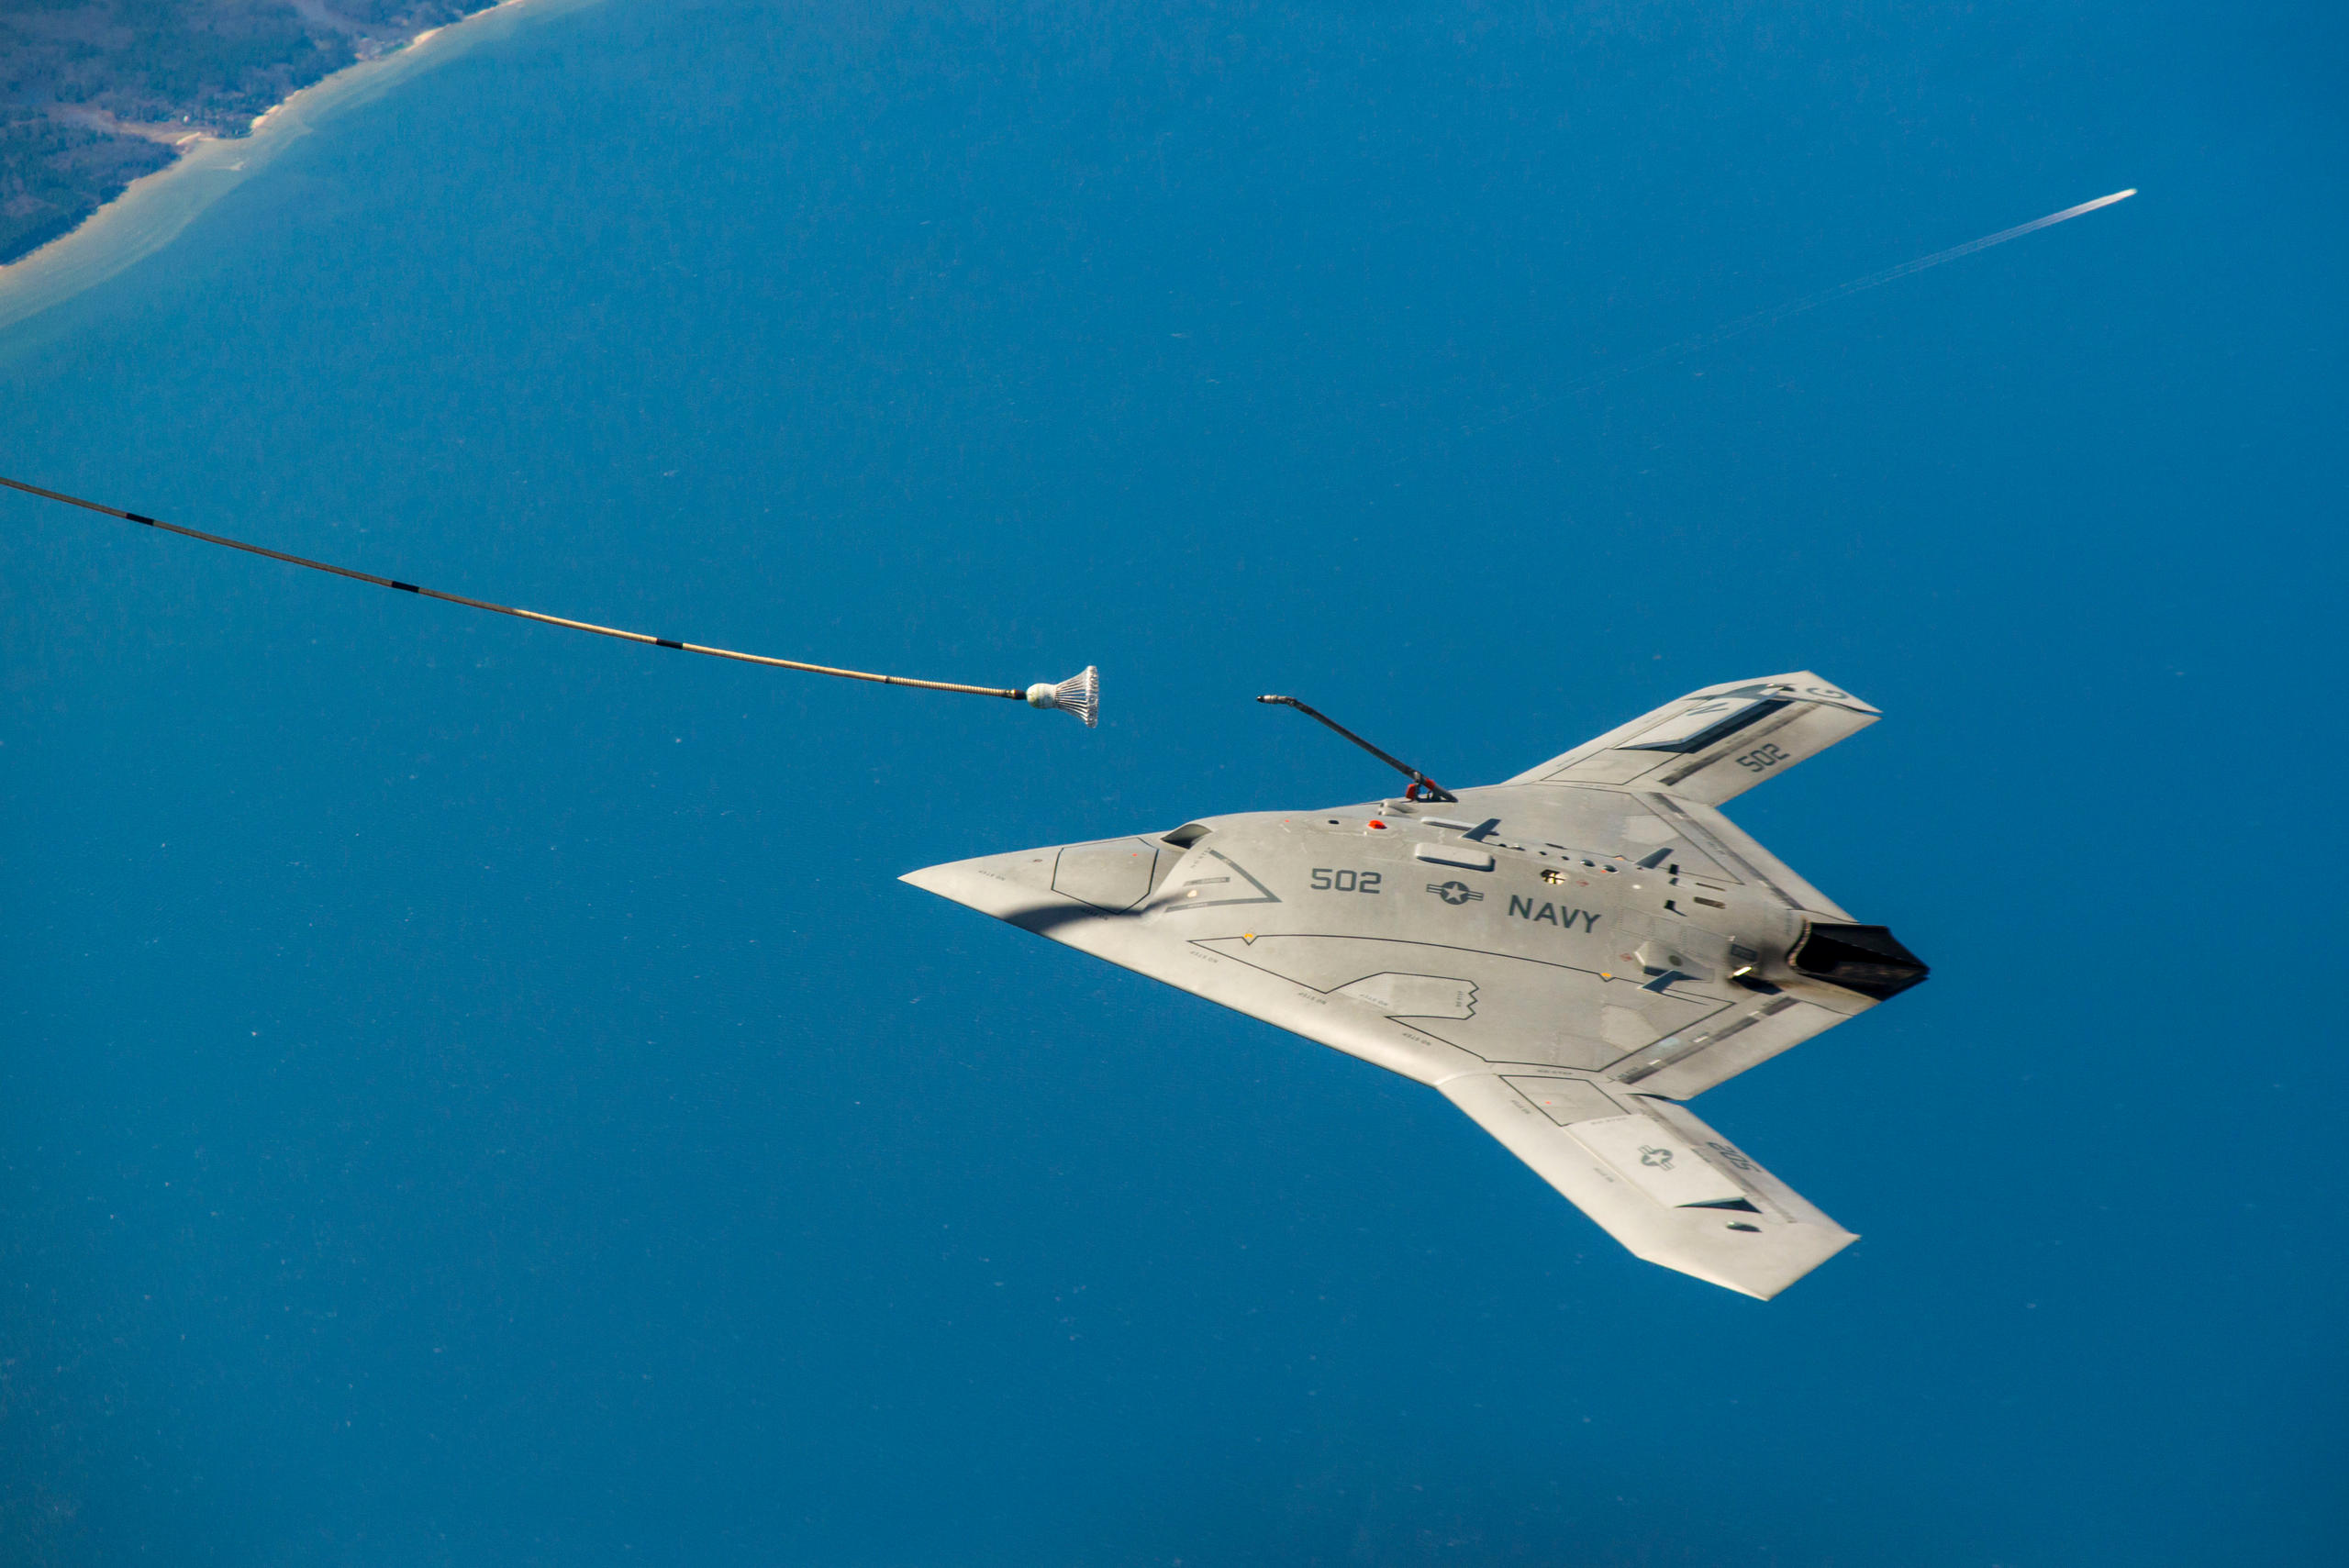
(1079, 694)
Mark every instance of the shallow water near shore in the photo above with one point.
(151, 213)
(478, 1094)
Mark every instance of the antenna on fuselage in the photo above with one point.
(1419, 780)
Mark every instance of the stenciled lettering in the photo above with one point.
(1551, 915)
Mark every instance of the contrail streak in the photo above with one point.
(1795, 308)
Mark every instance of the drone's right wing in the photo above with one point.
(1655, 1178)
(1715, 743)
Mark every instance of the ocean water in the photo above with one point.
(476, 1094)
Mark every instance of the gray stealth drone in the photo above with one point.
(1568, 954)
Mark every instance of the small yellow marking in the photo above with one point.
(1247, 936)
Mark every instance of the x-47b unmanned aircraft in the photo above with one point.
(1567, 955)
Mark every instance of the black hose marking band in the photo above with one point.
(308, 564)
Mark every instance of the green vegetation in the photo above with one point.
(53, 175)
(92, 93)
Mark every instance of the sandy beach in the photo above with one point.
(152, 210)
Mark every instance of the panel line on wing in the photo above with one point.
(1705, 725)
(1706, 840)
(1351, 936)
(1740, 736)
(1266, 896)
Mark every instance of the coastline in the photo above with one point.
(153, 209)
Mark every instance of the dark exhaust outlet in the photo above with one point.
(1866, 959)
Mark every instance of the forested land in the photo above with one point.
(95, 93)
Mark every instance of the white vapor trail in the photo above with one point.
(1794, 307)
(1918, 265)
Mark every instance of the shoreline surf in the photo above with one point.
(153, 209)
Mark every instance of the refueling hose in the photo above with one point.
(1051, 695)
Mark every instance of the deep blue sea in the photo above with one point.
(476, 1094)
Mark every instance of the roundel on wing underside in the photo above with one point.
(1113, 877)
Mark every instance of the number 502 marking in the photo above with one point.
(1330, 881)
(1761, 759)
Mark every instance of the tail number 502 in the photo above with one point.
(1330, 881)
